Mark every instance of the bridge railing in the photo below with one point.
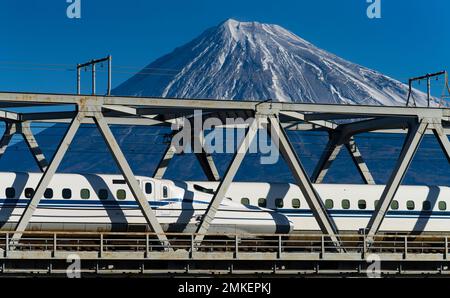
(224, 243)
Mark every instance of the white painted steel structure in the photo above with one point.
(105, 110)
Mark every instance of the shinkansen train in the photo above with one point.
(94, 202)
(414, 210)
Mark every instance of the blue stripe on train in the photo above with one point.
(86, 203)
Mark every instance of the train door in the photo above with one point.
(167, 206)
(149, 190)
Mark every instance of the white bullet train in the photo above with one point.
(95, 202)
(92, 202)
(414, 210)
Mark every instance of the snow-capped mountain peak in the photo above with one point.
(256, 61)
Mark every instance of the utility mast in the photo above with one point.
(427, 77)
(92, 63)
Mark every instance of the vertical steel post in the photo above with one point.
(279, 246)
(54, 244)
(109, 74)
(93, 78)
(236, 246)
(446, 247)
(101, 246)
(406, 246)
(147, 245)
(78, 79)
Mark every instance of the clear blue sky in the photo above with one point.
(39, 43)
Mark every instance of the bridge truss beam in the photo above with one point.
(107, 110)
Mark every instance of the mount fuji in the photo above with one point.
(255, 61)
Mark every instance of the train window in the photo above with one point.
(245, 201)
(329, 204)
(48, 193)
(165, 192)
(103, 194)
(85, 194)
(362, 204)
(10, 192)
(121, 194)
(262, 202)
(426, 206)
(410, 205)
(442, 206)
(148, 188)
(394, 205)
(345, 204)
(29, 192)
(375, 204)
(67, 193)
(279, 203)
(296, 203)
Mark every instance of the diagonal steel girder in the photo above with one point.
(343, 135)
(24, 129)
(32, 144)
(10, 130)
(227, 179)
(332, 150)
(414, 137)
(442, 138)
(329, 155)
(359, 161)
(46, 177)
(204, 158)
(315, 203)
(123, 166)
(164, 162)
(131, 180)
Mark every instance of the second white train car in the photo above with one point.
(415, 209)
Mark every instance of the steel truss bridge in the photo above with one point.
(275, 117)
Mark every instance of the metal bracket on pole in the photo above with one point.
(316, 205)
(46, 177)
(133, 184)
(228, 177)
(412, 142)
